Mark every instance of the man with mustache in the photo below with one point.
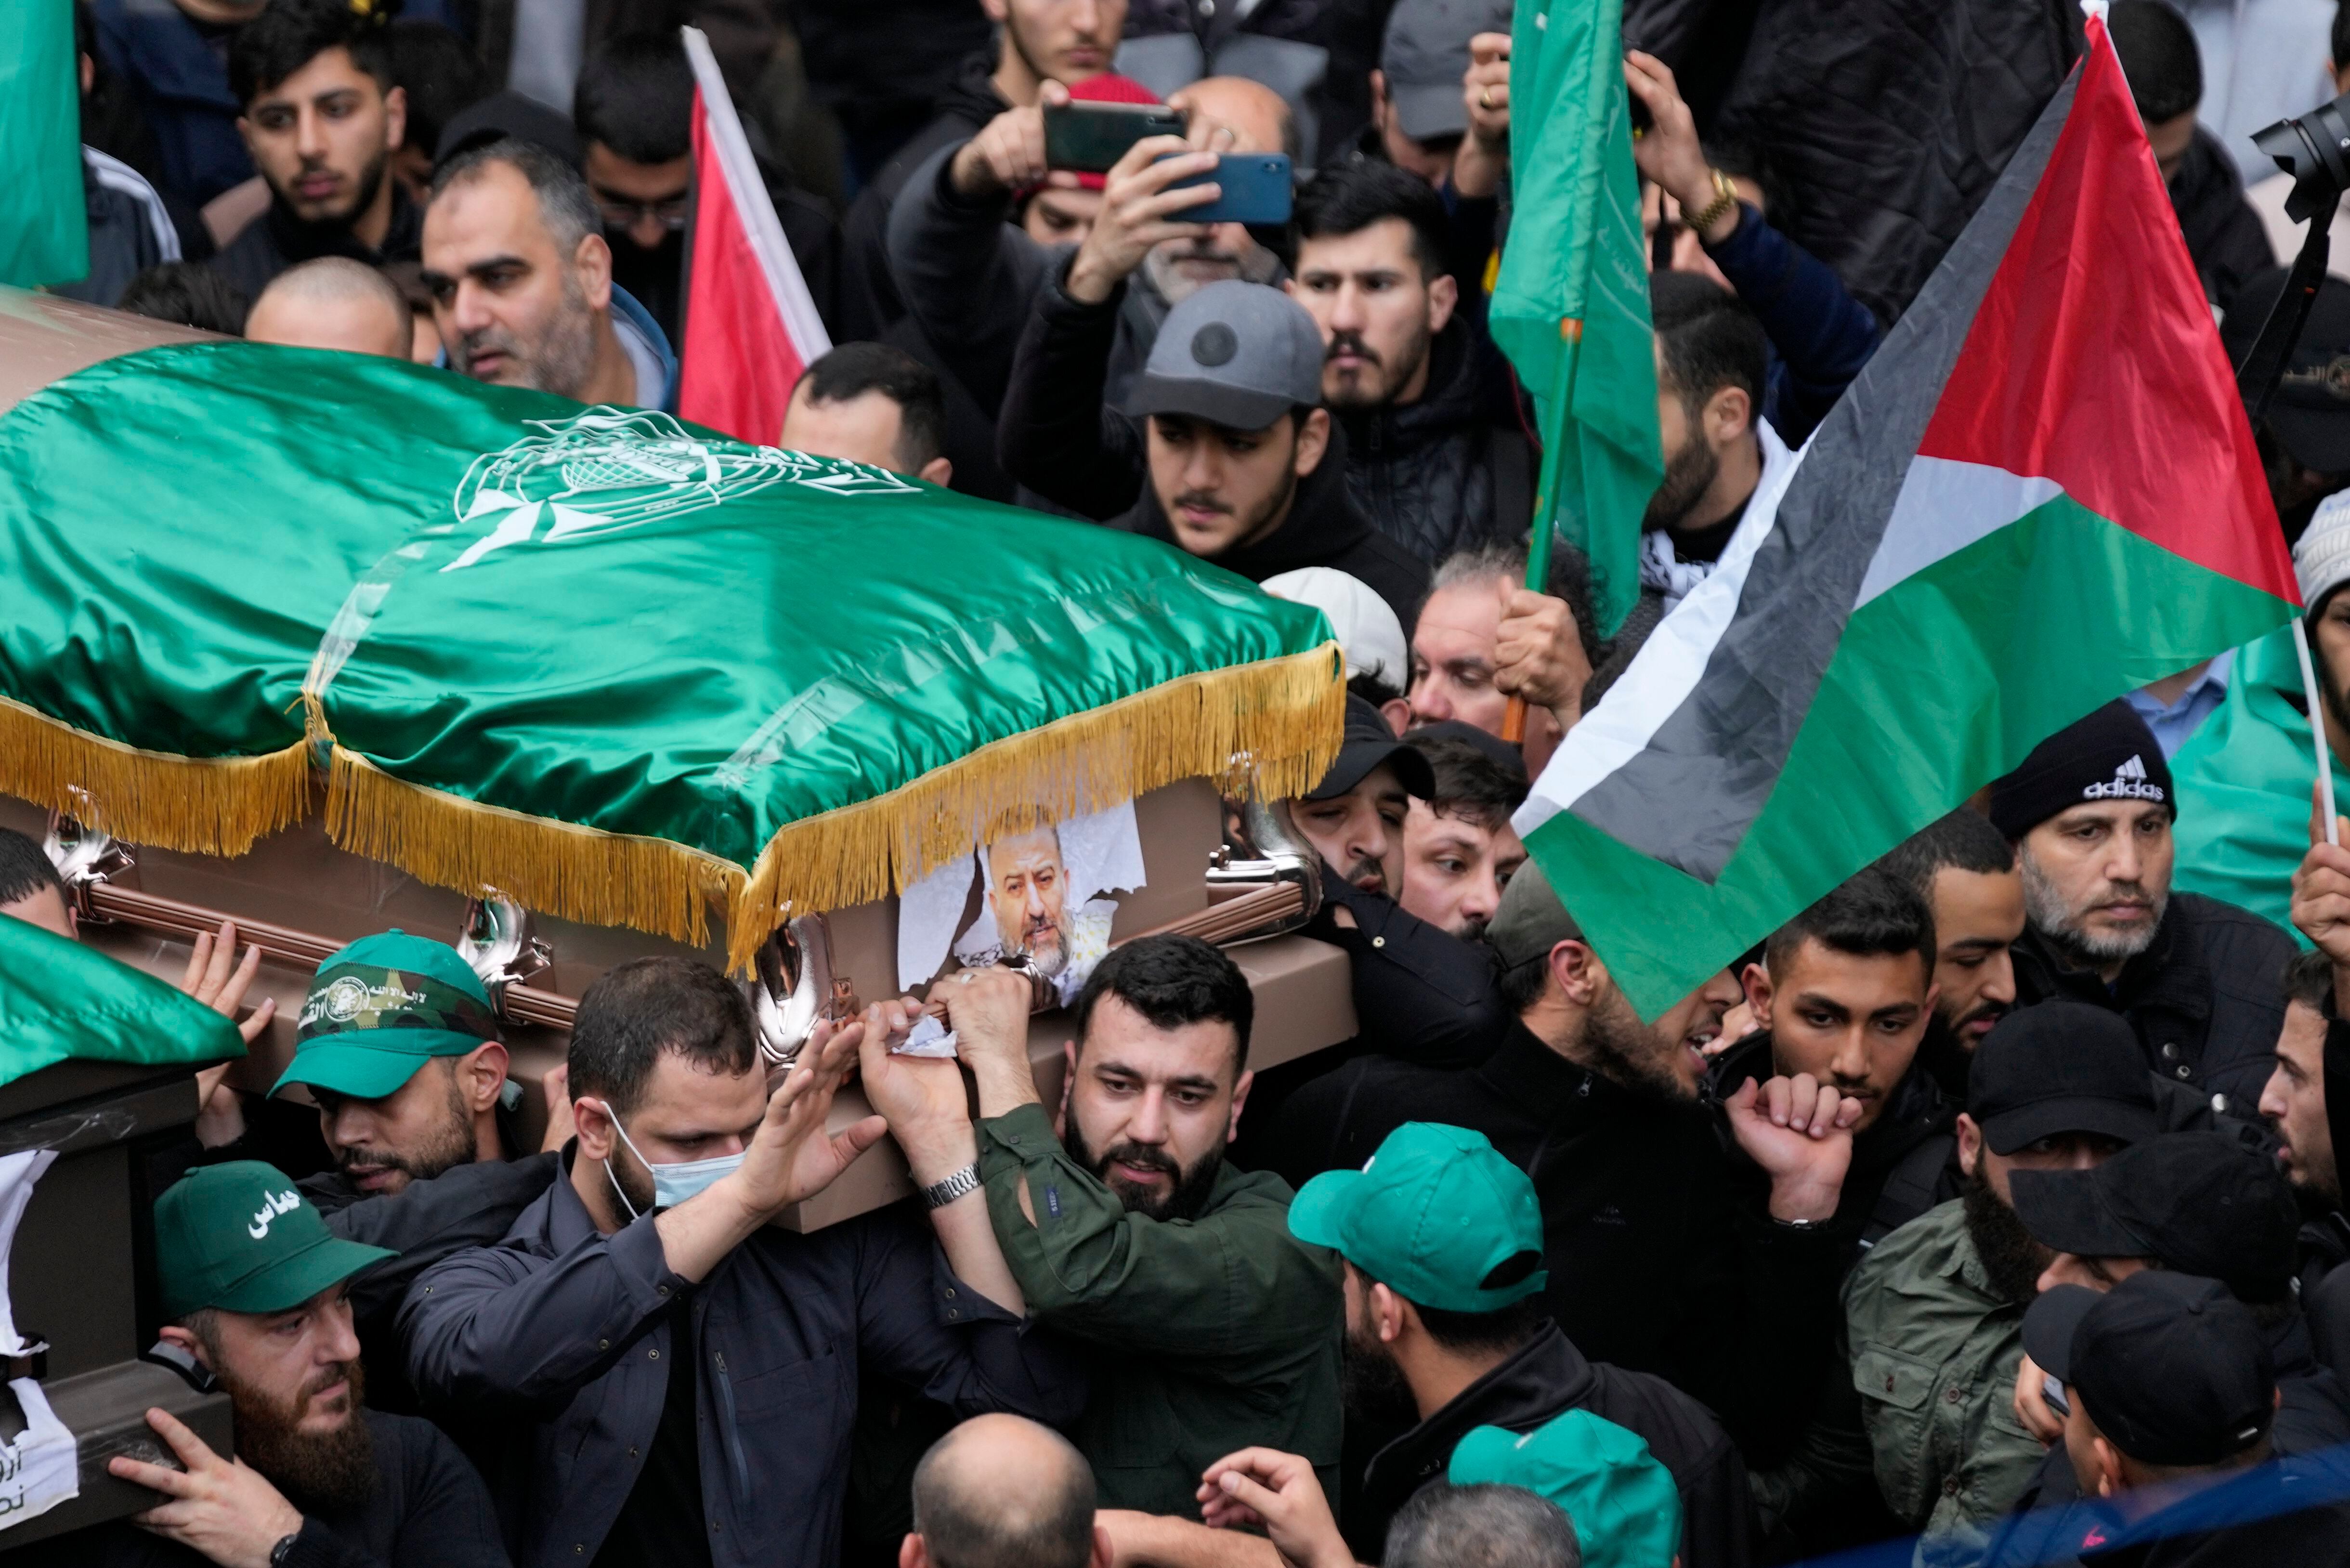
(1676, 1268)
(398, 1045)
(1434, 454)
(1844, 992)
(1965, 870)
(1210, 1327)
(1028, 895)
(257, 1293)
(2090, 812)
(521, 279)
(1934, 1314)
(322, 120)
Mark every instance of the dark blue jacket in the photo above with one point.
(177, 72)
(562, 1330)
(1820, 334)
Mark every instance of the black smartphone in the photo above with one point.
(1090, 138)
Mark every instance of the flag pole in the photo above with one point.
(2317, 730)
(1539, 534)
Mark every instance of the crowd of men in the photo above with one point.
(1992, 1199)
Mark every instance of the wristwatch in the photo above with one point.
(1726, 197)
(282, 1552)
(940, 1193)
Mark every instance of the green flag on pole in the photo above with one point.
(44, 238)
(59, 1000)
(1571, 303)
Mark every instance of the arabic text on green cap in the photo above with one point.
(380, 1008)
(241, 1237)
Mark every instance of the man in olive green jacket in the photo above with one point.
(1935, 1312)
(1213, 1328)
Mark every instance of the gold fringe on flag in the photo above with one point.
(555, 867)
(1279, 719)
(203, 805)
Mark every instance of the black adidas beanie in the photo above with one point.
(2109, 755)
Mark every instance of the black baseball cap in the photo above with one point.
(2197, 1202)
(2311, 412)
(2171, 1368)
(1368, 743)
(2059, 1068)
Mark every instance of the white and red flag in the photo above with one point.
(751, 326)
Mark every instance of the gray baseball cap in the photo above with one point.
(1426, 53)
(1531, 919)
(1236, 354)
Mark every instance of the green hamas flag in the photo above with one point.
(60, 1000)
(1571, 301)
(614, 666)
(44, 238)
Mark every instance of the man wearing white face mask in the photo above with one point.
(685, 1374)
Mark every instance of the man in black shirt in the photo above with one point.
(258, 1292)
(322, 120)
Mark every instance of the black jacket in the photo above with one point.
(2205, 997)
(561, 1330)
(1057, 436)
(870, 301)
(1444, 473)
(2225, 238)
(1543, 1380)
(1655, 1262)
(277, 240)
(1889, 121)
(1900, 1165)
(2232, 1525)
(429, 1511)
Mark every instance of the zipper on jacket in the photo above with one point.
(729, 1430)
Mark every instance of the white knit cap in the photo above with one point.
(2321, 561)
(1369, 634)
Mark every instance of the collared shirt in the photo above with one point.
(2173, 724)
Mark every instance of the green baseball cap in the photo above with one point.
(241, 1237)
(1625, 1509)
(1437, 1215)
(379, 1007)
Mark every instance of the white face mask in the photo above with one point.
(672, 1183)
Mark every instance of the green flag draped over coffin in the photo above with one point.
(611, 665)
(60, 999)
(2041, 494)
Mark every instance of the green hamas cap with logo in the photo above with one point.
(1625, 1509)
(239, 1236)
(379, 1008)
(1437, 1215)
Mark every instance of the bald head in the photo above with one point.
(999, 1491)
(332, 302)
(1257, 116)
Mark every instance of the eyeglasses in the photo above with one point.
(670, 215)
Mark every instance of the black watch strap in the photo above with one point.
(282, 1552)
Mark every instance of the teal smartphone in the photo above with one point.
(1090, 138)
(1256, 189)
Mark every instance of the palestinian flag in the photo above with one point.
(2041, 494)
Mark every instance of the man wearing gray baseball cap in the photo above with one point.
(1235, 460)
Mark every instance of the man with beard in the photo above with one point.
(1676, 1268)
(256, 1291)
(2307, 1098)
(1444, 1248)
(634, 111)
(681, 1370)
(1028, 896)
(1209, 1325)
(1965, 870)
(2090, 812)
(1459, 848)
(1435, 456)
(322, 120)
(1235, 461)
(521, 279)
(398, 1045)
(1934, 1313)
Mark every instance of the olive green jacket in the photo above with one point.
(1934, 1356)
(1209, 1334)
